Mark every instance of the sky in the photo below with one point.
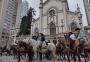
(72, 6)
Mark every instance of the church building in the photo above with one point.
(55, 19)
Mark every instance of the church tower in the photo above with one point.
(79, 15)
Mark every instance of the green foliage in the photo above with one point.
(25, 27)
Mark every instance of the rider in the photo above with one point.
(79, 35)
(42, 39)
(55, 41)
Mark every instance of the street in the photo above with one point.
(11, 59)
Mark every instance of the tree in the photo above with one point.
(25, 27)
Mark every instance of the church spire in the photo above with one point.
(79, 14)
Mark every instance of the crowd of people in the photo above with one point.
(71, 46)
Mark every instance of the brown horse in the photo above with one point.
(24, 48)
(62, 48)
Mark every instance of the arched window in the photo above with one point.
(51, 13)
(52, 16)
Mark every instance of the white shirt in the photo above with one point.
(72, 36)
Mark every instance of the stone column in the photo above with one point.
(41, 14)
(65, 19)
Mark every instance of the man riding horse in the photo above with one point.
(77, 40)
(79, 35)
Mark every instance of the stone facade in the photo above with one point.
(15, 29)
(55, 18)
(87, 9)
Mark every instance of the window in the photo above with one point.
(52, 13)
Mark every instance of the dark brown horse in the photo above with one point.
(24, 48)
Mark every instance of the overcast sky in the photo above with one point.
(72, 6)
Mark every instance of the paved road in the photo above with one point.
(10, 59)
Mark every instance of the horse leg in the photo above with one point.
(68, 57)
(18, 57)
(57, 56)
(79, 60)
(40, 55)
(64, 56)
(53, 57)
(74, 57)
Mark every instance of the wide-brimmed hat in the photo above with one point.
(77, 29)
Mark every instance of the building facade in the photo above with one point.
(15, 29)
(87, 11)
(55, 19)
(8, 12)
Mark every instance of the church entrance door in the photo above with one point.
(52, 29)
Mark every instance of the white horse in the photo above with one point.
(52, 48)
(35, 45)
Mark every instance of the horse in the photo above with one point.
(51, 48)
(66, 49)
(24, 48)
